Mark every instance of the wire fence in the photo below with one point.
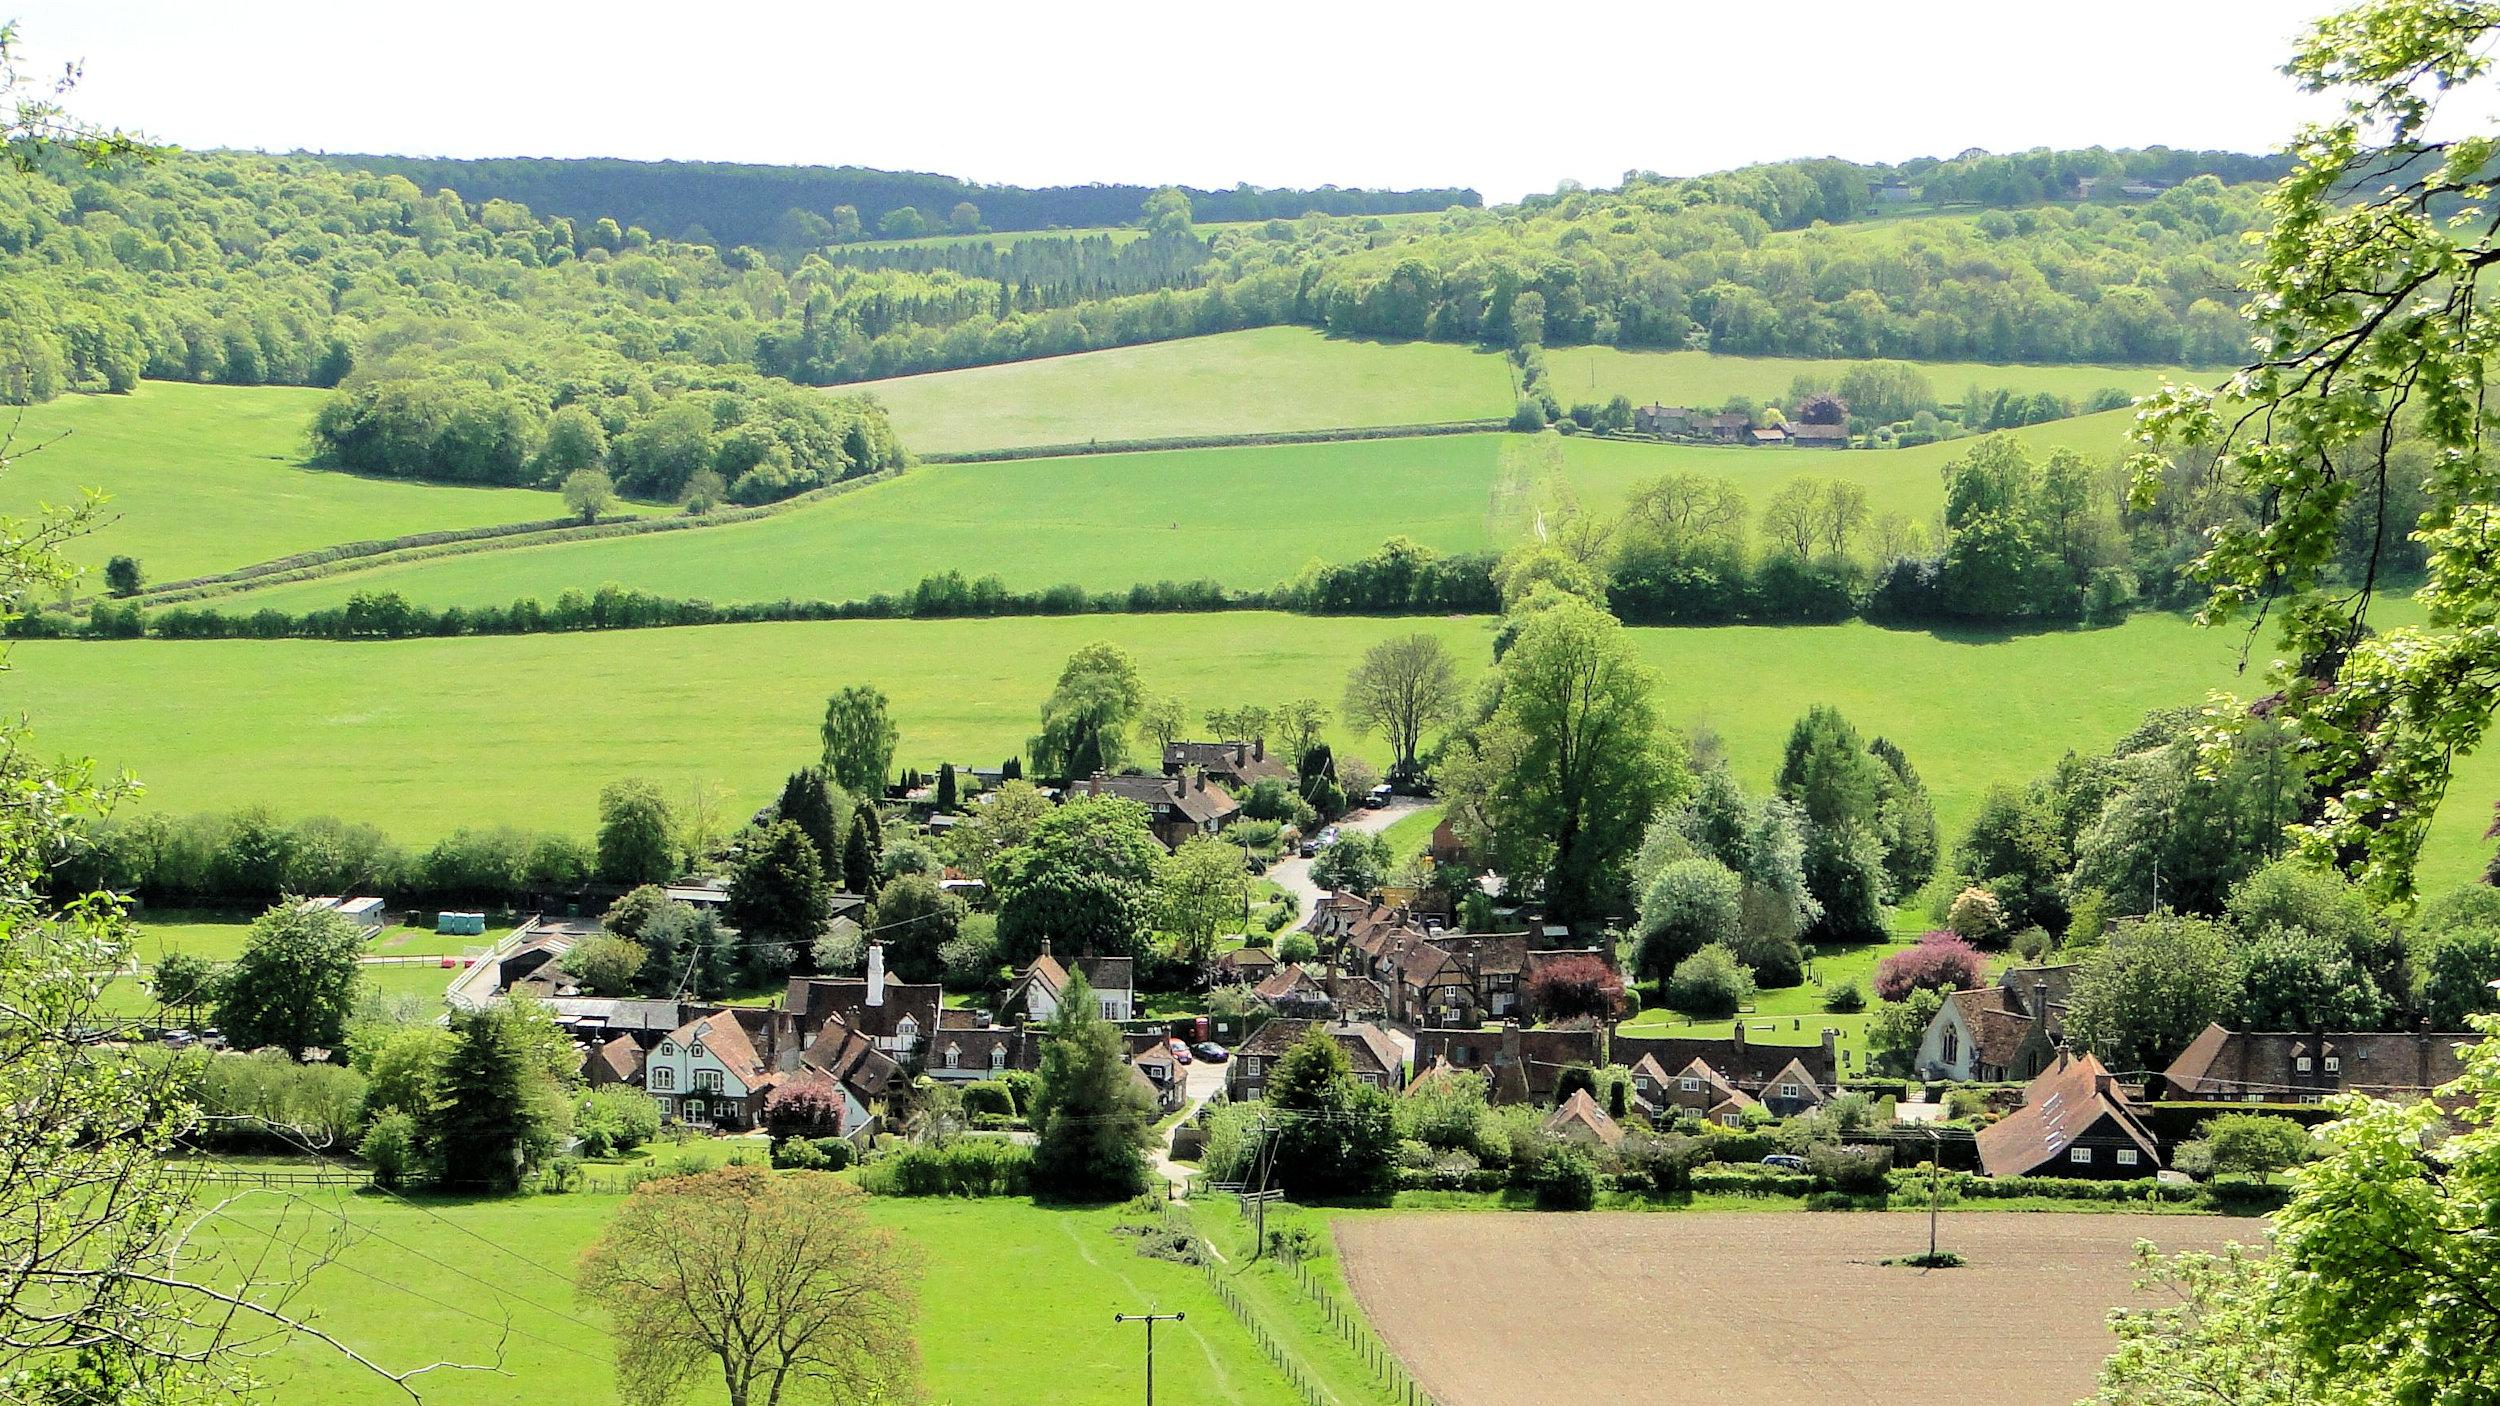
(230, 1175)
(1358, 1335)
(1305, 1385)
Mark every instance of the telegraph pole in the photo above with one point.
(1150, 1319)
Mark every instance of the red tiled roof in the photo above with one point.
(2073, 1097)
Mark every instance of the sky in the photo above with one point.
(1287, 93)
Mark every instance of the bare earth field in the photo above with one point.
(1698, 1308)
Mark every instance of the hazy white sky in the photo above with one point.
(1289, 92)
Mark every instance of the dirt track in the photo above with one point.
(1523, 1310)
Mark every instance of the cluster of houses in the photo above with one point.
(1407, 999)
(715, 1066)
(1732, 427)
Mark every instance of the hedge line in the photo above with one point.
(373, 546)
(1214, 441)
(487, 539)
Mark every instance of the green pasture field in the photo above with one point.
(1012, 1297)
(1708, 379)
(1260, 381)
(209, 478)
(1106, 522)
(425, 736)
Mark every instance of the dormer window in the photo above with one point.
(2300, 1065)
(998, 1056)
(907, 1029)
(954, 1057)
(1689, 1084)
(2334, 1064)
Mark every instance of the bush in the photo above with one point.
(1855, 1171)
(394, 1149)
(616, 1118)
(1567, 1181)
(990, 1098)
(1846, 999)
(1751, 1181)
(827, 1154)
(1664, 1164)
(1940, 962)
(972, 1166)
(1711, 982)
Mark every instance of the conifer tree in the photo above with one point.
(1091, 1116)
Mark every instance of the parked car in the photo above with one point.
(1378, 797)
(1309, 848)
(1785, 1162)
(1212, 1052)
(1179, 1048)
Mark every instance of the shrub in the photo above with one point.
(1962, 1104)
(1567, 1181)
(972, 1166)
(1846, 999)
(1940, 962)
(1854, 1171)
(393, 1147)
(989, 1098)
(826, 1154)
(1663, 1164)
(1575, 986)
(1976, 915)
(1711, 982)
(616, 1118)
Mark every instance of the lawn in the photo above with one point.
(1263, 380)
(1708, 379)
(424, 736)
(208, 478)
(1106, 522)
(1013, 1297)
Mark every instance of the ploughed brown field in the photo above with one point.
(1517, 1309)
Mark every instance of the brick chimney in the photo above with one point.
(1241, 753)
(1258, 748)
(1199, 779)
(876, 973)
(1093, 784)
(2040, 1005)
(1738, 1035)
(1510, 1042)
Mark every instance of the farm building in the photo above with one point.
(2309, 1066)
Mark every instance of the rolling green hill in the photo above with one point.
(423, 736)
(1246, 517)
(208, 478)
(1261, 381)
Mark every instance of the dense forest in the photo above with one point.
(800, 207)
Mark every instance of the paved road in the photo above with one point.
(1203, 1081)
(1293, 875)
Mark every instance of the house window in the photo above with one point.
(954, 1057)
(2126, 1157)
(707, 1081)
(1789, 1091)
(663, 1079)
(1952, 1045)
(695, 1112)
(907, 1030)
(696, 1048)
(1252, 1067)
(668, 1047)
(998, 1056)
(2334, 1064)
(2081, 1156)
(668, 1106)
(1730, 1120)
(2301, 1065)
(1689, 1084)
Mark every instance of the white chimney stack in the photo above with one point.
(876, 973)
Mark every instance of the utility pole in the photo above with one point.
(1150, 1318)
(1935, 1189)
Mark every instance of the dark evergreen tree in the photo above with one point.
(1337, 1135)
(862, 852)
(777, 901)
(493, 1100)
(807, 802)
(1091, 1120)
(946, 797)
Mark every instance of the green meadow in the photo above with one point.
(1110, 521)
(1261, 381)
(1016, 1302)
(425, 736)
(1596, 374)
(208, 478)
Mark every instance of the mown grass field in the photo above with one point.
(1016, 1304)
(1595, 374)
(1110, 521)
(424, 736)
(1264, 380)
(208, 478)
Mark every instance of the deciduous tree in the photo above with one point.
(294, 985)
(778, 1281)
(859, 740)
(1404, 686)
(635, 845)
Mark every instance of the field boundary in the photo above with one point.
(278, 573)
(1216, 441)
